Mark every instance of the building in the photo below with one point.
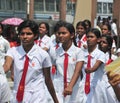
(105, 8)
(48, 9)
(43, 9)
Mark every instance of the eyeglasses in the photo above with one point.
(27, 33)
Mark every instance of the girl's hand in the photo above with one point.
(88, 70)
(67, 91)
(114, 78)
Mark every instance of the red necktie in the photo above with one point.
(40, 41)
(109, 61)
(79, 43)
(21, 87)
(65, 69)
(57, 45)
(87, 81)
(53, 67)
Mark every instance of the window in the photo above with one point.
(50, 5)
(2, 4)
(99, 7)
(69, 6)
(57, 5)
(20, 5)
(9, 5)
(109, 7)
(104, 8)
(38, 5)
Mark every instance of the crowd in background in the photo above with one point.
(68, 66)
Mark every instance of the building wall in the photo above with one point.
(85, 10)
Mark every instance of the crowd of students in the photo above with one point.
(67, 67)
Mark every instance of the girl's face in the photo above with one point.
(92, 40)
(64, 35)
(42, 29)
(27, 37)
(105, 30)
(104, 44)
(80, 30)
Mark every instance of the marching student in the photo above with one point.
(106, 45)
(68, 60)
(31, 67)
(43, 39)
(81, 35)
(90, 87)
(106, 30)
(4, 46)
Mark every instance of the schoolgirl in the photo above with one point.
(105, 46)
(31, 66)
(43, 39)
(93, 70)
(81, 35)
(106, 30)
(68, 60)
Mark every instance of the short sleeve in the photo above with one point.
(101, 57)
(10, 52)
(80, 55)
(47, 61)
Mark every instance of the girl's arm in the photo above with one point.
(77, 73)
(94, 68)
(49, 84)
(8, 63)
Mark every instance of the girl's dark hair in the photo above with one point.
(108, 26)
(57, 25)
(86, 21)
(82, 23)
(2, 29)
(47, 27)
(1, 26)
(96, 32)
(28, 23)
(109, 40)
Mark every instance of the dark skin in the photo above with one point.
(27, 41)
(66, 39)
(92, 41)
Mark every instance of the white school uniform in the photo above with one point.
(83, 41)
(34, 84)
(113, 57)
(75, 55)
(108, 88)
(4, 46)
(99, 88)
(5, 92)
(95, 78)
(52, 50)
(108, 91)
(45, 42)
